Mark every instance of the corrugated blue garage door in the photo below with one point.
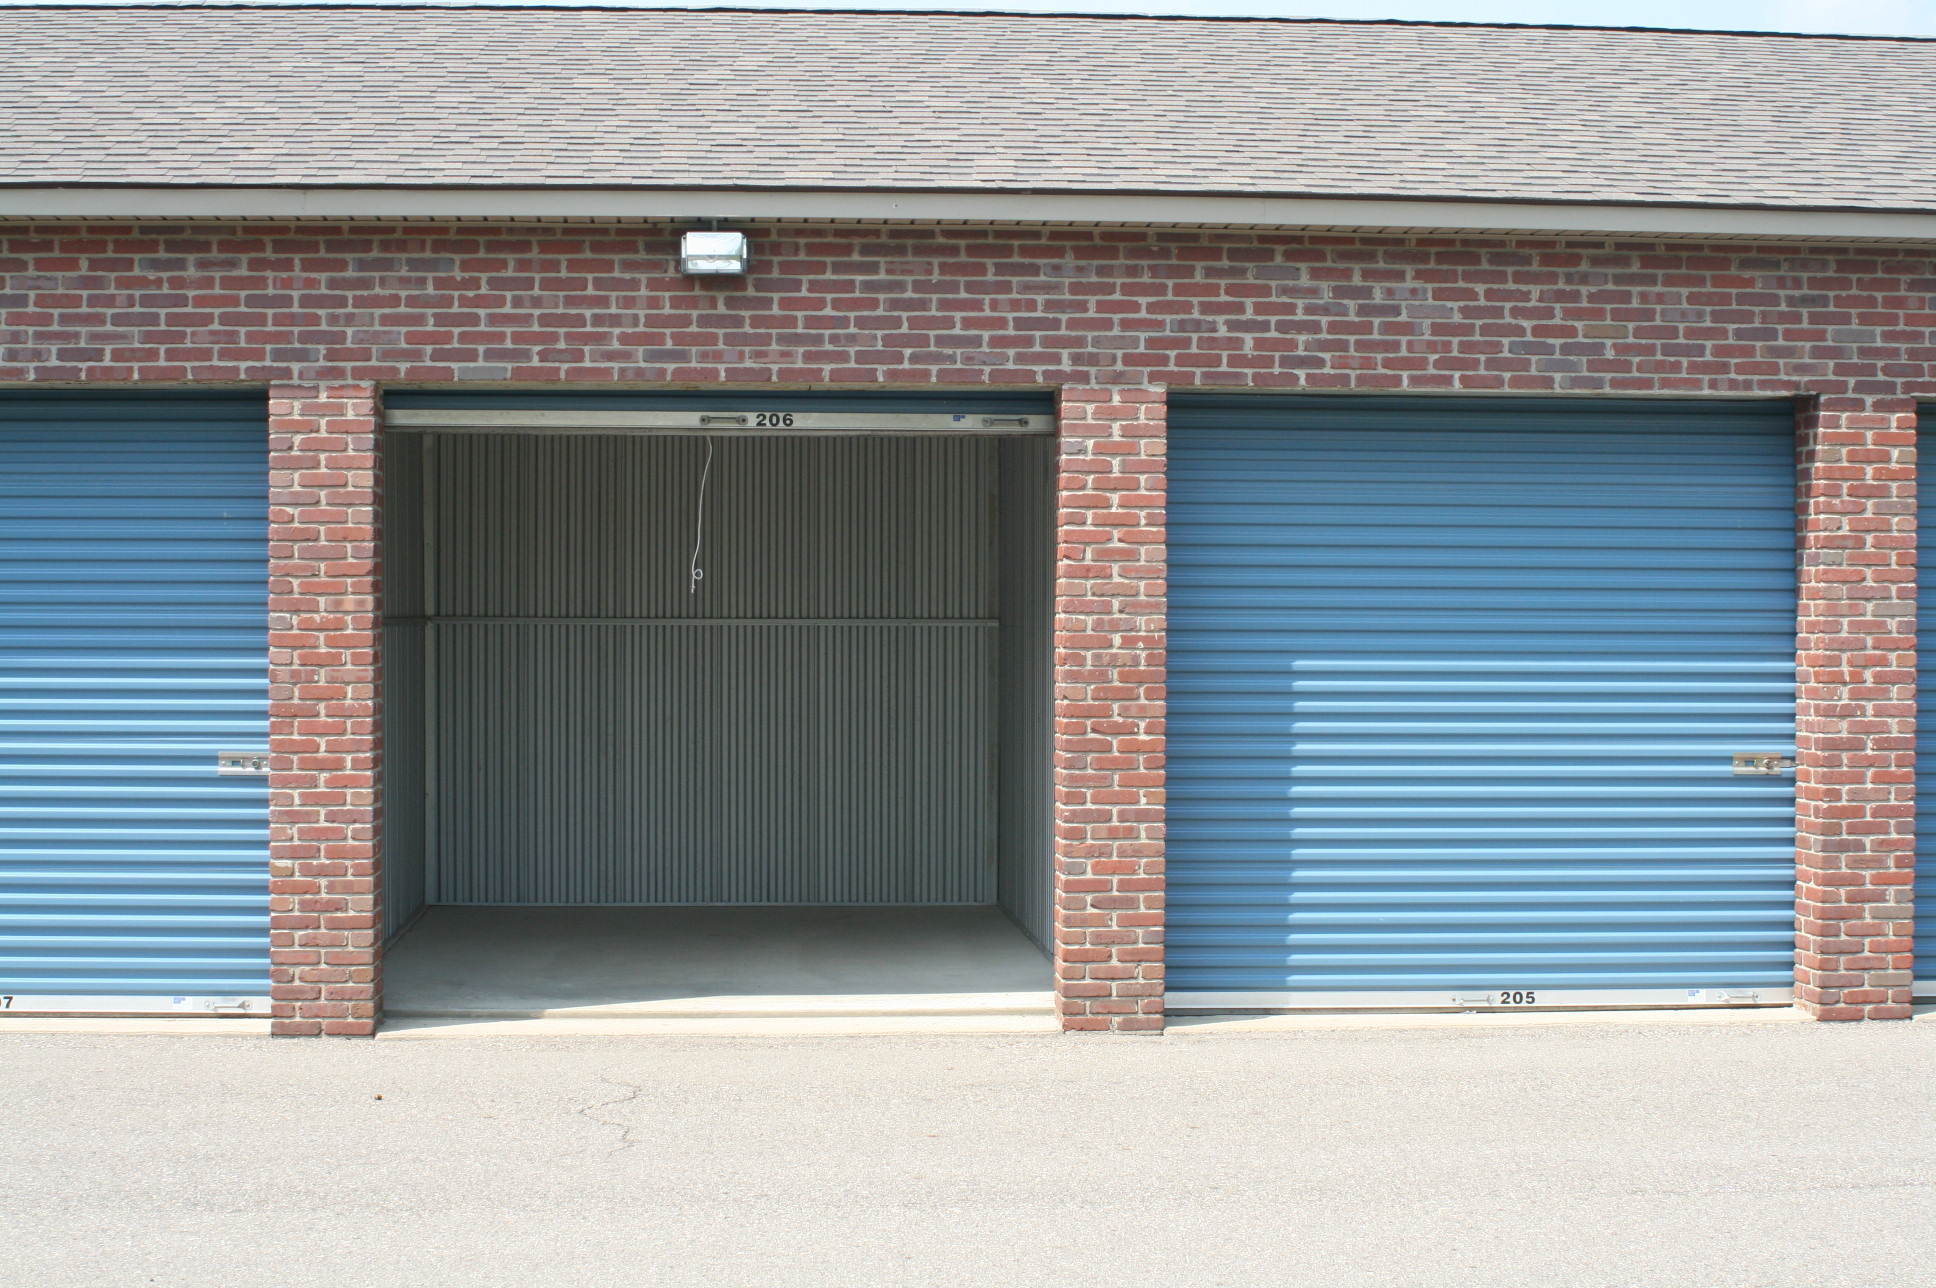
(133, 650)
(1456, 687)
(1926, 739)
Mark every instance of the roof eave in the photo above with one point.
(176, 201)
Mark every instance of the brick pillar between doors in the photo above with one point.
(1855, 850)
(1111, 596)
(325, 673)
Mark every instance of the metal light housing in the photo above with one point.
(713, 253)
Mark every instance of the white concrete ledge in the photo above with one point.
(742, 1027)
(1330, 214)
(766, 1007)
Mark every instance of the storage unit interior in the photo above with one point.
(646, 755)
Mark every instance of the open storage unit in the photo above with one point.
(721, 651)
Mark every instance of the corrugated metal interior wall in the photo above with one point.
(1026, 689)
(816, 723)
(404, 786)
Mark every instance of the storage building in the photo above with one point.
(512, 512)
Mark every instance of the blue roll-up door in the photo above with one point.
(133, 651)
(1456, 688)
(1926, 742)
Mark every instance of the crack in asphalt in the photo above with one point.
(624, 1130)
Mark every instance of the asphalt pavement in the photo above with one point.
(1776, 1155)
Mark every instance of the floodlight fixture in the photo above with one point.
(713, 253)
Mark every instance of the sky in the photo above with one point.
(1854, 17)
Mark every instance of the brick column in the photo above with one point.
(1111, 597)
(325, 670)
(1855, 849)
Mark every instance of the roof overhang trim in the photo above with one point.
(1341, 214)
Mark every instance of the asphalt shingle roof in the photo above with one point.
(978, 102)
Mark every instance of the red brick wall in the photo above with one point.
(1856, 811)
(922, 306)
(1109, 635)
(1109, 311)
(325, 674)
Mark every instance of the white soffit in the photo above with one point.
(589, 204)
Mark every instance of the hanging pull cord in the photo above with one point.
(696, 574)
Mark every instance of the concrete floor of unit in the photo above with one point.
(702, 962)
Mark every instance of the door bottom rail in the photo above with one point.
(50, 1004)
(1483, 999)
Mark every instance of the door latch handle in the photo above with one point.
(1762, 762)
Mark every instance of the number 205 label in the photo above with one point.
(1515, 998)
